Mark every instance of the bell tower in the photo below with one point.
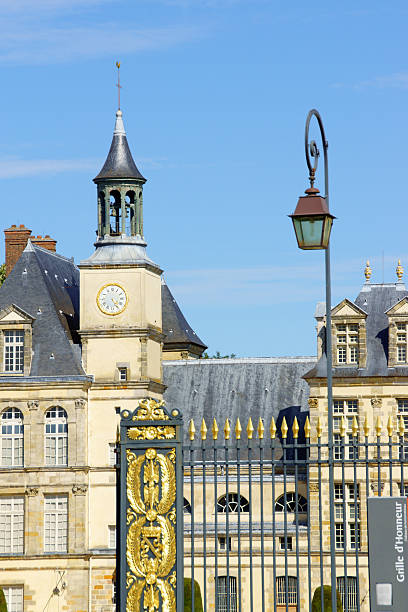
(120, 307)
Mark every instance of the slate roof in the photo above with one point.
(178, 332)
(119, 164)
(375, 300)
(231, 388)
(46, 286)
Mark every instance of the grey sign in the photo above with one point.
(388, 553)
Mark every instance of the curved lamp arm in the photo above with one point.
(311, 150)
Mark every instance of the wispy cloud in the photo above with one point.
(30, 46)
(397, 80)
(13, 168)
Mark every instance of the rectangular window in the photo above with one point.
(14, 597)
(352, 595)
(339, 535)
(349, 505)
(286, 595)
(226, 595)
(348, 409)
(123, 374)
(347, 343)
(11, 524)
(289, 543)
(112, 454)
(402, 353)
(112, 536)
(223, 542)
(342, 354)
(55, 523)
(403, 411)
(14, 351)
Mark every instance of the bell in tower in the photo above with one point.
(120, 191)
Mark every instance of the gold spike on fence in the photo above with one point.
(272, 429)
(378, 426)
(342, 427)
(284, 429)
(227, 429)
(238, 429)
(295, 428)
(354, 426)
(390, 426)
(401, 426)
(319, 428)
(366, 428)
(191, 430)
(250, 429)
(307, 428)
(203, 430)
(261, 429)
(214, 430)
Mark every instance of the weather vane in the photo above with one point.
(119, 86)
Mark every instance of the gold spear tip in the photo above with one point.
(399, 270)
(390, 426)
(272, 429)
(214, 429)
(307, 428)
(354, 426)
(295, 428)
(117, 64)
(191, 430)
(367, 271)
(227, 429)
(250, 429)
(284, 428)
(342, 427)
(261, 429)
(203, 430)
(238, 429)
(366, 428)
(378, 426)
(319, 428)
(401, 427)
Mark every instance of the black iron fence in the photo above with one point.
(256, 512)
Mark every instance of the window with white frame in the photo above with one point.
(403, 412)
(112, 454)
(14, 598)
(56, 436)
(235, 503)
(286, 594)
(348, 409)
(55, 523)
(123, 374)
(12, 437)
(347, 501)
(352, 594)
(291, 505)
(112, 536)
(285, 543)
(14, 351)
(401, 343)
(12, 524)
(347, 343)
(226, 593)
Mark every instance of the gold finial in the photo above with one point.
(203, 430)
(367, 271)
(250, 429)
(401, 427)
(214, 429)
(319, 428)
(399, 270)
(284, 429)
(261, 429)
(227, 429)
(118, 85)
(378, 426)
(272, 429)
(342, 427)
(238, 429)
(295, 428)
(354, 426)
(390, 426)
(366, 428)
(307, 428)
(191, 430)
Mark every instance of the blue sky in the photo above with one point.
(215, 96)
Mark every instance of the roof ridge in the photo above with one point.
(300, 359)
(55, 254)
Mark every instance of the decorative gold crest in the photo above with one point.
(152, 433)
(150, 410)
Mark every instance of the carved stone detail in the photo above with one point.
(80, 403)
(313, 487)
(376, 402)
(313, 403)
(33, 404)
(79, 489)
(31, 491)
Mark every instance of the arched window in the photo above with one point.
(56, 436)
(235, 503)
(115, 213)
(291, 503)
(186, 506)
(352, 594)
(286, 595)
(12, 437)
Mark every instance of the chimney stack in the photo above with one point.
(46, 242)
(16, 239)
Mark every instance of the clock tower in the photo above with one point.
(120, 307)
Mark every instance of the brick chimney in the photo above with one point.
(46, 242)
(16, 239)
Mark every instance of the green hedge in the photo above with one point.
(3, 603)
(317, 601)
(198, 602)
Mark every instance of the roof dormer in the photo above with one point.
(398, 334)
(349, 337)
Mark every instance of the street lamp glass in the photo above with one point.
(312, 231)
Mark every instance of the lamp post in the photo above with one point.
(312, 222)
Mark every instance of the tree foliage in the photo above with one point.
(2, 273)
(218, 356)
(198, 602)
(317, 600)
(3, 603)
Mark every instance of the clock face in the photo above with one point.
(112, 299)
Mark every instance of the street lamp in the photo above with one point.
(312, 222)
